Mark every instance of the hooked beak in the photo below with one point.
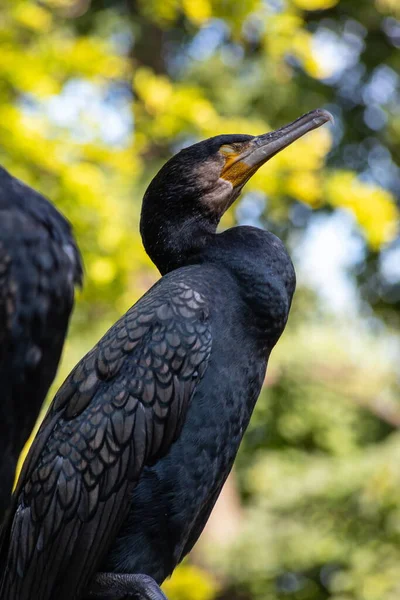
(240, 167)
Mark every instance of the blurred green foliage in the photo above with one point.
(318, 473)
(94, 96)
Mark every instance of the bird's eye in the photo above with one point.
(226, 149)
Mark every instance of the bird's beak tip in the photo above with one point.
(323, 116)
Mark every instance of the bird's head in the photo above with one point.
(197, 185)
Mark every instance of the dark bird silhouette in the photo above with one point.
(139, 440)
(39, 265)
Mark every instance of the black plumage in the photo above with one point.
(39, 266)
(139, 440)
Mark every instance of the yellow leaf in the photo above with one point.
(190, 583)
(197, 11)
(374, 208)
(33, 17)
(315, 4)
(102, 271)
(305, 186)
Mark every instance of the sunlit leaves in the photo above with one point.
(285, 35)
(235, 14)
(373, 207)
(166, 12)
(32, 16)
(388, 7)
(198, 11)
(314, 4)
(191, 583)
(305, 186)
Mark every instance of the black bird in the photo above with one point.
(39, 265)
(139, 440)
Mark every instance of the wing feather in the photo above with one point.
(39, 267)
(120, 409)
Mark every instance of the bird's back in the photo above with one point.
(39, 266)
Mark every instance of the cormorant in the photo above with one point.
(39, 265)
(133, 453)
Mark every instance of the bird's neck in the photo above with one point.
(172, 243)
(255, 259)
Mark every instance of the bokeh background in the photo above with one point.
(94, 96)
